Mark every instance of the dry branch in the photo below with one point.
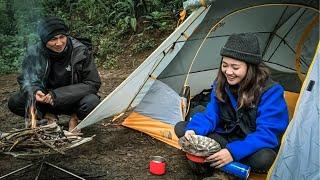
(41, 140)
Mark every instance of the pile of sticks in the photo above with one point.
(40, 140)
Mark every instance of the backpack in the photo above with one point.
(87, 42)
(198, 103)
(202, 98)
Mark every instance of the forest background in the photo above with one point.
(119, 29)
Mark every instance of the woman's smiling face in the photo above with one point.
(234, 70)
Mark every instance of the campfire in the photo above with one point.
(37, 140)
(33, 116)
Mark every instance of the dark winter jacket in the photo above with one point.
(271, 120)
(35, 71)
(238, 123)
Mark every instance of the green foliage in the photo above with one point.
(111, 63)
(11, 53)
(125, 15)
(143, 45)
(17, 27)
(158, 20)
(109, 23)
(108, 45)
(108, 48)
(26, 19)
(7, 25)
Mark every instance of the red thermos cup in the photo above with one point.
(157, 165)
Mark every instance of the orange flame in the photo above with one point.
(33, 117)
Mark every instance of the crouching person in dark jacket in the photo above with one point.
(59, 75)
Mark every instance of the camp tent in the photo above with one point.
(288, 32)
(299, 155)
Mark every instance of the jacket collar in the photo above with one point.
(233, 100)
(80, 51)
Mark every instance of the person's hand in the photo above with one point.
(40, 96)
(44, 98)
(220, 158)
(48, 99)
(188, 134)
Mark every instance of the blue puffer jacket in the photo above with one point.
(272, 120)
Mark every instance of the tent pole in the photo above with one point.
(276, 27)
(282, 39)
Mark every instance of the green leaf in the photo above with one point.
(133, 24)
(118, 16)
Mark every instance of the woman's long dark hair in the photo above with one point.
(249, 89)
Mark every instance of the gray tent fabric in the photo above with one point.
(278, 26)
(299, 156)
(156, 102)
(290, 81)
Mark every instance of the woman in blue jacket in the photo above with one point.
(247, 113)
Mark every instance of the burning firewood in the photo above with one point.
(39, 140)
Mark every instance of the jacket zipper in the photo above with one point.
(45, 74)
(72, 66)
(71, 74)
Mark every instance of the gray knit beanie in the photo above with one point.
(50, 27)
(244, 47)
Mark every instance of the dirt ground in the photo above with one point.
(116, 152)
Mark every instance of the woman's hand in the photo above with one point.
(188, 134)
(220, 158)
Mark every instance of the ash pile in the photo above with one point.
(41, 140)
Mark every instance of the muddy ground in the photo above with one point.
(116, 152)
